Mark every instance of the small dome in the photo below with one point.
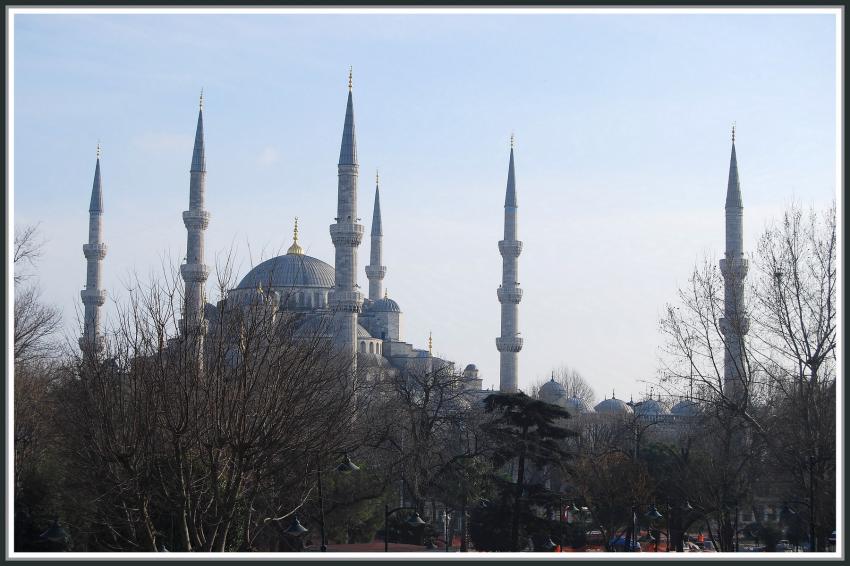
(362, 332)
(580, 406)
(553, 392)
(613, 407)
(685, 408)
(384, 305)
(651, 408)
(471, 367)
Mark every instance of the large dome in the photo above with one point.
(651, 408)
(686, 408)
(290, 270)
(553, 393)
(580, 406)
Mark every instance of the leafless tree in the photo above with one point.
(210, 447)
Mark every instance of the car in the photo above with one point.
(783, 546)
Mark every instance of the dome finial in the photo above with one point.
(733, 132)
(430, 344)
(350, 76)
(295, 248)
(385, 293)
(553, 376)
(613, 396)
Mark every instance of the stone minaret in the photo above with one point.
(93, 296)
(734, 324)
(509, 343)
(196, 219)
(345, 299)
(375, 271)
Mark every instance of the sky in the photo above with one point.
(622, 125)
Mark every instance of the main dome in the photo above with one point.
(290, 270)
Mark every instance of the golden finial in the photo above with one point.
(201, 101)
(350, 75)
(385, 293)
(430, 344)
(98, 149)
(295, 248)
(733, 132)
(512, 140)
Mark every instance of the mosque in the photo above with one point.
(327, 297)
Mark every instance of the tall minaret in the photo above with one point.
(734, 323)
(375, 271)
(93, 296)
(196, 219)
(509, 343)
(345, 299)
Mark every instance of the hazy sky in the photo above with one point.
(622, 125)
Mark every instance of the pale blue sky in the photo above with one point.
(622, 125)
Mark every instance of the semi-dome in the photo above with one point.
(290, 270)
(553, 392)
(362, 332)
(651, 408)
(685, 408)
(384, 305)
(613, 406)
(580, 406)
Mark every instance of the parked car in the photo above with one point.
(784, 546)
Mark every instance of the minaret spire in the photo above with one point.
(345, 299)
(734, 266)
(509, 292)
(93, 296)
(375, 272)
(196, 220)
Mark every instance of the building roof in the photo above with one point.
(553, 392)
(384, 305)
(291, 270)
(613, 406)
(650, 408)
(685, 408)
(580, 406)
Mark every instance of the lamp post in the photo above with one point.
(654, 515)
(414, 521)
(295, 530)
(345, 467)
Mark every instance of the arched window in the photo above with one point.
(363, 347)
(371, 348)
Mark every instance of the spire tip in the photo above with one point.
(513, 140)
(98, 151)
(350, 77)
(733, 132)
(201, 101)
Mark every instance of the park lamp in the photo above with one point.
(688, 506)
(54, 533)
(549, 545)
(296, 529)
(573, 509)
(347, 466)
(415, 520)
(653, 514)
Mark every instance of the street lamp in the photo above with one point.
(296, 529)
(549, 545)
(345, 467)
(54, 533)
(653, 515)
(414, 521)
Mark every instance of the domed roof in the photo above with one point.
(650, 408)
(613, 406)
(579, 406)
(685, 408)
(471, 367)
(553, 392)
(290, 270)
(362, 332)
(384, 305)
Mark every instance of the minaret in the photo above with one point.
(734, 324)
(196, 219)
(346, 234)
(509, 343)
(93, 296)
(375, 271)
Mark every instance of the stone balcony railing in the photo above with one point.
(510, 248)
(345, 234)
(93, 296)
(195, 219)
(194, 272)
(509, 294)
(509, 344)
(94, 251)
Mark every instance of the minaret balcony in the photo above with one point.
(509, 344)
(510, 248)
(345, 301)
(94, 251)
(196, 219)
(509, 294)
(194, 272)
(93, 296)
(376, 271)
(735, 268)
(92, 344)
(346, 234)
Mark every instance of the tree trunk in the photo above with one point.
(520, 479)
